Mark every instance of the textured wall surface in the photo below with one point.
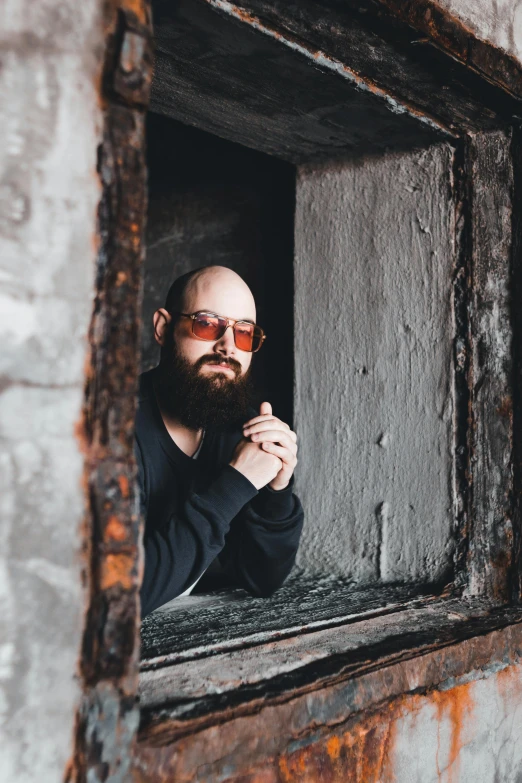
(496, 21)
(466, 734)
(373, 341)
(48, 197)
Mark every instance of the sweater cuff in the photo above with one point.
(274, 505)
(230, 492)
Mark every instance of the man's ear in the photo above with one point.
(161, 320)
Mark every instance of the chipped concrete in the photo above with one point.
(48, 197)
(373, 390)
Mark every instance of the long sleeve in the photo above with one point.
(263, 541)
(180, 546)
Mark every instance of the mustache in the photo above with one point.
(214, 359)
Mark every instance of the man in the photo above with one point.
(215, 477)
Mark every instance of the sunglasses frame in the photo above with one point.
(230, 322)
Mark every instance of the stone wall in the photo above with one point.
(49, 191)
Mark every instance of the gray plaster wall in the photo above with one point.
(49, 130)
(373, 400)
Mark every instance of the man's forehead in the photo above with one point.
(223, 295)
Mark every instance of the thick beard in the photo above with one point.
(201, 401)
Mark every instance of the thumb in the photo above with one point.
(265, 407)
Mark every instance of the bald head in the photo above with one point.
(205, 283)
(219, 290)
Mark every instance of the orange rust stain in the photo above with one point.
(333, 748)
(456, 705)
(364, 754)
(361, 755)
(137, 7)
(123, 483)
(284, 769)
(117, 570)
(115, 529)
(80, 434)
(240, 13)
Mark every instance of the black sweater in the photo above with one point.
(197, 509)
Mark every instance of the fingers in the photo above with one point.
(276, 436)
(269, 424)
(264, 417)
(265, 408)
(287, 457)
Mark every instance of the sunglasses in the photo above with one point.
(209, 326)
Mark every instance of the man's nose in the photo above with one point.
(226, 344)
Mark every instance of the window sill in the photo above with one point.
(189, 688)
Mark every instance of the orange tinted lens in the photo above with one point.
(208, 327)
(247, 336)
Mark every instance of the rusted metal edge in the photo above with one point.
(499, 634)
(451, 35)
(323, 60)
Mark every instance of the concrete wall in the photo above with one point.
(48, 196)
(373, 344)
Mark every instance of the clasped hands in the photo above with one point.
(267, 453)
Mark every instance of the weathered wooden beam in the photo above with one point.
(200, 626)
(462, 352)
(108, 713)
(490, 170)
(436, 715)
(416, 29)
(225, 71)
(330, 676)
(379, 51)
